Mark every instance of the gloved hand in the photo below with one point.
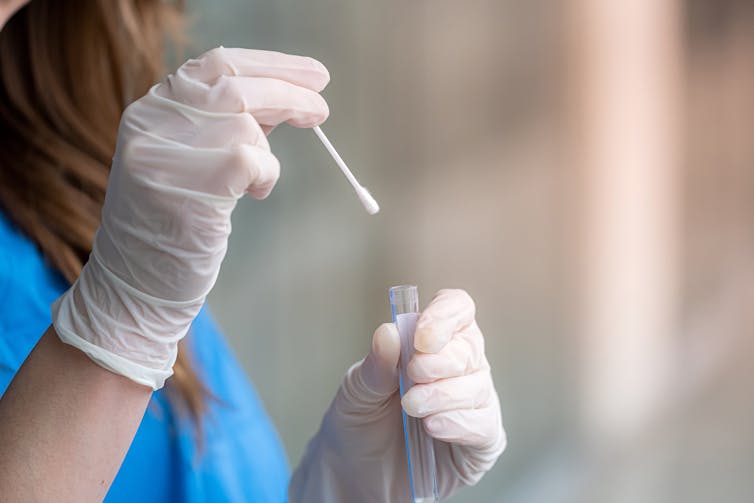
(359, 454)
(186, 152)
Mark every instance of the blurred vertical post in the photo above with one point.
(625, 70)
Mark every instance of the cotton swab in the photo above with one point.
(365, 197)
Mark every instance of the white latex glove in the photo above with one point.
(359, 453)
(187, 151)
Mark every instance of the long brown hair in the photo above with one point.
(67, 70)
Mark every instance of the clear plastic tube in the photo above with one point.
(404, 303)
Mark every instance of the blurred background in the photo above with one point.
(583, 168)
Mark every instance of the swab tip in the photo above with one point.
(365, 197)
(369, 203)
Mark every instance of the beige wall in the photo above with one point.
(459, 118)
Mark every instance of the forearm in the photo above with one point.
(65, 425)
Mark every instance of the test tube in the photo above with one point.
(420, 451)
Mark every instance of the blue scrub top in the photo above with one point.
(241, 459)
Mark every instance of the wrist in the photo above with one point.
(120, 328)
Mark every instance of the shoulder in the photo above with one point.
(10, 242)
(25, 276)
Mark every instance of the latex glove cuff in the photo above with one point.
(119, 327)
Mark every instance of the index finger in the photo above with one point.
(448, 312)
(298, 70)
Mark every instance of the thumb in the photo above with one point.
(379, 371)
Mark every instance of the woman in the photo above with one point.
(84, 415)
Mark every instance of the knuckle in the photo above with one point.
(455, 292)
(412, 369)
(230, 90)
(128, 153)
(215, 63)
(321, 107)
(474, 341)
(241, 155)
(465, 297)
(432, 425)
(489, 431)
(131, 109)
(417, 367)
(468, 355)
(248, 128)
(215, 57)
(484, 391)
(274, 174)
(264, 173)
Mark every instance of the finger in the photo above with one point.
(298, 70)
(465, 392)
(269, 101)
(463, 354)
(263, 168)
(380, 367)
(191, 126)
(448, 312)
(472, 427)
(211, 172)
(224, 131)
